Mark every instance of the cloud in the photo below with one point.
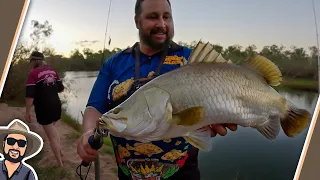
(85, 43)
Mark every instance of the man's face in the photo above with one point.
(15, 147)
(155, 23)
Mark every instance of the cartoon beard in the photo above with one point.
(9, 158)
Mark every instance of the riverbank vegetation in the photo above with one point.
(299, 68)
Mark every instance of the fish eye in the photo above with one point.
(116, 110)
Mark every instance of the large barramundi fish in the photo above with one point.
(207, 90)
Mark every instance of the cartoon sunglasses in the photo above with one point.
(12, 141)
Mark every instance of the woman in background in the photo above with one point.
(42, 88)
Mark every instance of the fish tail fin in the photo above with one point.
(200, 139)
(205, 53)
(295, 120)
(265, 68)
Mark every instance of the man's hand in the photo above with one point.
(220, 129)
(84, 149)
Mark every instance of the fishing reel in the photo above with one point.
(95, 141)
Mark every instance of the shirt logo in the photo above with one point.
(122, 89)
(173, 60)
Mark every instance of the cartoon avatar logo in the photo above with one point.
(19, 144)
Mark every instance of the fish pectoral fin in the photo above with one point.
(266, 68)
(188, 117)
(295, 121)
(168, 112)
(205, 53)
(271, 128)
(200, 139)
(157, 100)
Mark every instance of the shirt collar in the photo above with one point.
(4, 168)
(172, 47)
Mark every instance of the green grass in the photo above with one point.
(49, 172)
(299, 84)
(107, 146)
(70, 121)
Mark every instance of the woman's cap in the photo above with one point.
(35, 55)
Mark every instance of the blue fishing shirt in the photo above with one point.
(158, 159)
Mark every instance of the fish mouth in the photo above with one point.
(113, 124)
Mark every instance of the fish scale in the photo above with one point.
(199, 98)
(204, 92)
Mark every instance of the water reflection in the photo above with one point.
(244, 154)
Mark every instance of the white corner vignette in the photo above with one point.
(6, 69)
(32, 155)
(307, 141)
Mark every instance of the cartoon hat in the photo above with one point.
(34, 141)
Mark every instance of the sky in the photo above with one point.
(224, 22)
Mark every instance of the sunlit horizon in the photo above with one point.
(288, 23)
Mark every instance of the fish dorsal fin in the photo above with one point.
(266, 68)
(205, 53)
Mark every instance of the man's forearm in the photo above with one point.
(29, 102)
(90, 118)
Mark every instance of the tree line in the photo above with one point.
(294, 62)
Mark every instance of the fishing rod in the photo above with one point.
(105, 34)
(96, 140)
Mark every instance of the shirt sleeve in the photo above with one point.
(99, 93)
(31, 176)
(59, 83)
(30, 86)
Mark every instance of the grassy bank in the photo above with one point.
(299, 84)
(53, 172)
(50, 172)
(70, 121)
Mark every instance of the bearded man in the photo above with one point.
(121, 75)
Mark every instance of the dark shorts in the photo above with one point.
(49, 113)
(189, 171)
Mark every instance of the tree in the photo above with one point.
(40, 33)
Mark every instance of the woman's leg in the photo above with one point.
(53, 135)
(58, 136)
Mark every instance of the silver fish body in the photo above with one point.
(182, 101)
(229, 94)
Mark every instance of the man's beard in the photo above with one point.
(147, 39)
(13, 160)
